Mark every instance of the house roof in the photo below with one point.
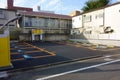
(45, 14)
(22, 8)
(7, 9)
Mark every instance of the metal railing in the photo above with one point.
(5, 26)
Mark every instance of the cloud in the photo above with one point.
(56, 8)
(118, 0)
(53, 5)
(60, 7)
(3, 4)
(53, 2)
(20, 2)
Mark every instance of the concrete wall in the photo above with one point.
(50, 26)
(76, 25)
(104, 42)
(95, 24)
(112, 17)
(93, 20)
(56, 37)
(77, 21)
(26, 37)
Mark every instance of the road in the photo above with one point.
(103, 68)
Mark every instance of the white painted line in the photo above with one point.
(3, 74)
(81, 69)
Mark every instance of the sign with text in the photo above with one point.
(37, 31)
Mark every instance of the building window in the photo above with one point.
(98, 16)
(87, 18)
(88, 32)
(84, 15)
(2, 15)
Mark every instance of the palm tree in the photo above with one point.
(93, 4)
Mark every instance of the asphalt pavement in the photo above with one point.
(103, 68)
(28, 55)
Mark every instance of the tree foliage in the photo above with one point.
(94, 4)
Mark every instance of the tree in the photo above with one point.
(94, 4)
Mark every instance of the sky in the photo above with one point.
(58, 6)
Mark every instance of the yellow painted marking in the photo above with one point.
(27, 48)
(21, 48)
(19, 59)
(69, 45)
(13, 53)
(110, 49)
(78, 45)
(12, 49)
(20, 44)
(25, 45)
(32, 51)
(42, 56)
(91, 48)
(41, 49)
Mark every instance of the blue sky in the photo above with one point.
(58, 6)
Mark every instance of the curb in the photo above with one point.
(53, 64)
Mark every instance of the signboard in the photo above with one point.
(37, 31)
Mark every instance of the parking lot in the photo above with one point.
(27, 55)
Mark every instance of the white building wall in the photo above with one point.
(112, 17)
(93, 20)
(96, 23)
(77, 21)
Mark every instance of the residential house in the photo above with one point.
(101, 25)
(76, 26)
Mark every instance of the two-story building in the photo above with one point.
(53, 26)
(100, 25)
(41, 25)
